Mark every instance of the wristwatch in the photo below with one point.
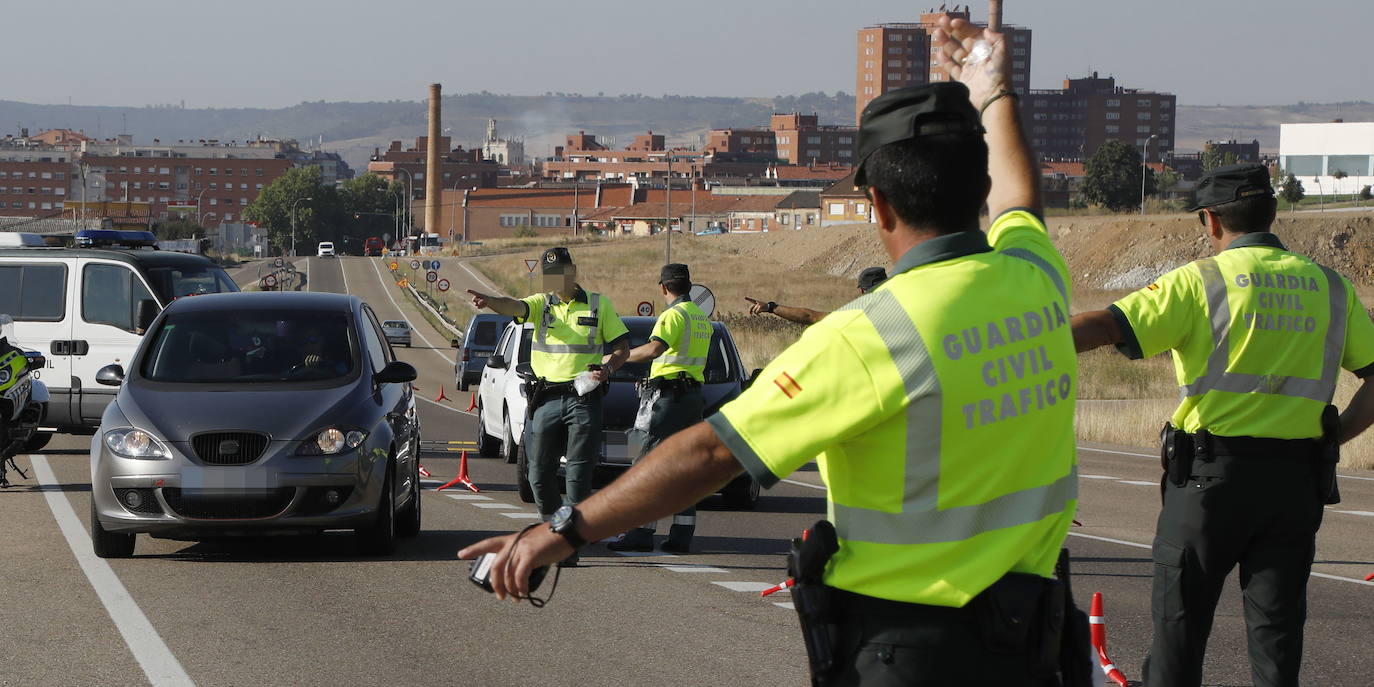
(770, 307)
(564, 522)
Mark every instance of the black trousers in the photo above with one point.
(939, 647)
(1260, 512)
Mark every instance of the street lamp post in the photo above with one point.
(199, 213)
(410, 196)
(668, 205)
(1144, 155)
(293, 222)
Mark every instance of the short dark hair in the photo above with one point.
(1246, 215)
(936, 182)
(677, 287)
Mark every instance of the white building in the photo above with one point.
(1315, 152)
(503, 151)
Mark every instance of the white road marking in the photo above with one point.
(645, 554)
(494, 505)
(1365, 513)
(804, 484)
(1137, 545)
(343, 272)
(693, 569)
(468, 497)
(785, 604)
(387, 289)
(522, 516)
(436, 403)
(307, 275)
(744, 586)
(152, 654)
(479, 277)
(1097, 477)
(1138, 482)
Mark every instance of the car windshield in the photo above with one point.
(172, 283)
(484, 332)
(395, 324)
(251, 347)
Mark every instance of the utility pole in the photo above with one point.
(669, 210)
(293, 223)
(1144, 155)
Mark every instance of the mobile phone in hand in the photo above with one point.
(480, 573)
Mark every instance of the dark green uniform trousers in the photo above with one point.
(564, 424)
(672, 412)
(1258, 511)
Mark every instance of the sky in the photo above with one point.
(256, 53)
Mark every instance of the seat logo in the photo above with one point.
(228, 447)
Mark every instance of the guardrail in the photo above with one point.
(423, 300)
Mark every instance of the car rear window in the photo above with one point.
(718, 368)
(253, 347)
(191, 280)
(485, 332)
(396, 324)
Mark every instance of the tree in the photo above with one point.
(317, 219)
(1292, 190)
(171, 230)
(1212, 157)
(1166, 181)
(368, 204)
(1112, 177)
(1337, 174)
(1366, 194)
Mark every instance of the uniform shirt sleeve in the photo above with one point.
(1021, 229)
(534, 303)
(1161, 316)
(610, 326)
(1358, 356)
(668, 327)
(816, 393)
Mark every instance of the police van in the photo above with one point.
(87, 307)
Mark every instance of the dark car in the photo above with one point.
(477, 345)
(725, 378)
(258, 413)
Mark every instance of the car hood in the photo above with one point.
(283, 414)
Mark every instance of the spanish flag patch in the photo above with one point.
(788, 385)
(1153, 287)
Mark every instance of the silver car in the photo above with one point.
(258, 413)
(397, 332)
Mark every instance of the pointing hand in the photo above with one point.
(756, 306)
(479, 300)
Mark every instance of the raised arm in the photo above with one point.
(1095, 329)
(786, 312)
(499, 304)
(1011, 165)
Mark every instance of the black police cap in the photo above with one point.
(674, 270)
(555, 260)
(872, 277)
(908, 113)
(1232, 182)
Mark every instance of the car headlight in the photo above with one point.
(136, 443)
(332, 440)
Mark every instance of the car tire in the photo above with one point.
(379, 538)
(488, 446)
(37, 441)
(508, 445)
(408, 520)
(108, 544)
(741, 494)
(522, 475)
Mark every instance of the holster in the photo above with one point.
(1328, 491)
(813, 600)
(1176, 454)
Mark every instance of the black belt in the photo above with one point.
(671, 384)
(850, 603)
(1247, 446)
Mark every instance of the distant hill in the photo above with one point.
(354, 129)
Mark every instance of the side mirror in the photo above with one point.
(147, 312)
(454, 343)
(497, 361)
(525, 370)
(110, 375)
(395, 373)
(752, 376)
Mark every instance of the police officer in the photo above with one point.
(670, 400)
(939, 409)
(572, 328)
(1259, 335)
(869, 279)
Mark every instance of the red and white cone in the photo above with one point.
(1098, 626)
(1369, 577)
(424, 472)
(441, 396)
(462, 477)
(472, 405)
(787, 584)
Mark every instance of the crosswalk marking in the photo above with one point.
(468, 497)
(1096, 477)
(522, 516)
(743, 586)
(1365, 513)
(785, 604)
(1137, 482)
(693, 569)
(493, 505)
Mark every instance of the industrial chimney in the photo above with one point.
(434, 201)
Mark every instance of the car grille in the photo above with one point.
(219, 506)
(229, 448)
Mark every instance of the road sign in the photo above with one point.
(531, 264)
(394, 265)
(414, 264)
(431, 276)
(386, 237)
(646, 309)
(434, 264)
(403, 283)
(278, 262)
(269, 281)
(703, 297)
(443, 285)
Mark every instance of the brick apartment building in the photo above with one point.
(34, 180)
(1070, 123)
(220, 187)
(796, 138)
(898, 55)
(461, 169)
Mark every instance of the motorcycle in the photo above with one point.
(23, 400)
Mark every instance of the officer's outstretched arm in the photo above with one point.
(499, 304)
(620, 352)
(1015, 175)
(1359, 415)
(647, 352)
(799, 315)
(1095, 329)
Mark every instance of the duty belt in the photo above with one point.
(679, 384)
(1245, 446)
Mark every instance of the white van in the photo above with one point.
(326, 250)
(85, 308)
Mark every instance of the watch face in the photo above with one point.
(561, 518)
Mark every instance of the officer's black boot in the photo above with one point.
(637, 539)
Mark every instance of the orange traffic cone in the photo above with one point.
(441, 396)
(472, 405)
(462, 477)
(1098, 627)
